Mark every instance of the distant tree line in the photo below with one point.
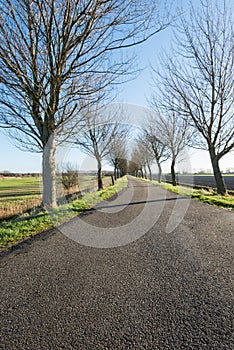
(9, 174)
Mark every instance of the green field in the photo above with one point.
(18, 195)
(18, 187)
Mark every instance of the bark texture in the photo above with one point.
(100, 183)
(173, 175)
(48, 174)
(221, 187)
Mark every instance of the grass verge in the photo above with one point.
(12, 231)
(203, 195)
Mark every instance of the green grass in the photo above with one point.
(18, 195)
(15, 187)
(12, 231)
(202, 195)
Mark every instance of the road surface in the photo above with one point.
(170, 287)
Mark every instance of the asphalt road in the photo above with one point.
(169, 287)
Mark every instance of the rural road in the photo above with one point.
(167, 288)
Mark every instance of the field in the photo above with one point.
(203, 180)
(18, 195)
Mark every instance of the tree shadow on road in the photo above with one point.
(133, 203)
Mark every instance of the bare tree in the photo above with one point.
(70, 179)
(118, 154)
(146, 155)
(201, 80)
(123, 166)
(152, 140)
(132, 168)
(55, 53)
(99, 136)
(173, 133)
(176, 136)
(138, 161)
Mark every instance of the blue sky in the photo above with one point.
(134, 92)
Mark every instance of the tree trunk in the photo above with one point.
(100, 184)
(150, 172)
(173, 175)
(145, 172)
(159, 172)
(221, 187)
(115, 163)
(48, 174)
(115, 172)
